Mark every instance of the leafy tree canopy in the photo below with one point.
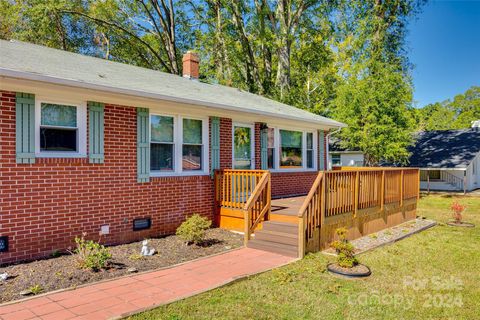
(337, 58)
(457, 113)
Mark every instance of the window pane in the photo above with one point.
(161, 129)
(161, 157)
(192, 157)
(192, 131)
(310, 159)
(309, 140)
(292, 139)
(290, 157)
(434, 174)
(242, 148)
(54, 139)
(336, 160)
(271, 159)
(58, 115)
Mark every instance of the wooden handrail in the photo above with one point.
(310, 195)
(258, 205)
(256, 192)
(311, 214)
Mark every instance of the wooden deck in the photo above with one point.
(363, 200)
(286, 209)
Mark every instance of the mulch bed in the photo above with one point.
(63, 272)
(387, 236)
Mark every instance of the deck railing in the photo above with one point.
(310, 215)
(258, 206)
(245, 190)
(233, 188)
(350, 191)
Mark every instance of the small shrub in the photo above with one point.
(193, 229)
(345, 250)
(457, 209)
(91, 255)
(36, 289)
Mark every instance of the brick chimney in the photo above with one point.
(190, 65)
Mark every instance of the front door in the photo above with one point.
(243, 159)
(243, 147)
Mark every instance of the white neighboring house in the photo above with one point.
(342, 157)
(448, 160)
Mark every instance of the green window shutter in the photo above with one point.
(143, 146)
(25, 127)
(264, 148)
(321, 151)
(95, 132)
(215, 144)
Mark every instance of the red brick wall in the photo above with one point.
(45, 205)
(292, 183)
(226, 137)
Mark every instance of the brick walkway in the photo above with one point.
(129, 295)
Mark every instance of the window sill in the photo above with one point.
(177, 174)
(292, 170)
(59, 155)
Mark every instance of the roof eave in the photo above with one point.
(143, 94)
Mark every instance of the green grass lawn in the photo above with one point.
(432, 275)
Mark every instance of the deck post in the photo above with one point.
(301, 237)
(428, 182)
(401, 188)
(418, 184)
(246, 219)
(356, 194)
(382, 194)
(465, 182)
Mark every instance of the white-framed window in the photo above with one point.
(310, 151)
(291, 149)
(178, 145)
(162, 143)
(336, 159)
(271, 154)
(60, 128)
(243, 146)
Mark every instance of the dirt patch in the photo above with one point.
(63, 272)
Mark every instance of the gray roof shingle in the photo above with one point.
(445, 149)
(25, 60)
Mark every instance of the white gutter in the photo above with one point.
(328, 147)
(144, 94)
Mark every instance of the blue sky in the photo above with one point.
(444, 46)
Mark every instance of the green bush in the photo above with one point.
(91, 255)
(345, 250)
(193, 229)
(36, 289)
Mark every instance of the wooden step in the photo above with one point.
(280, 248)
(278, 237)
(284, 227)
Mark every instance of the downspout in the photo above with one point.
(327, 148)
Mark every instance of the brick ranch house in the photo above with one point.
(90, 145)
